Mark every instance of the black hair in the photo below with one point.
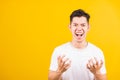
(79, 13)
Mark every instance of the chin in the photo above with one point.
(80, 40)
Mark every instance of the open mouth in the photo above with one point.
(79, 34)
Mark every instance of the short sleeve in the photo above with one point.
(103, 69)
(53, 64)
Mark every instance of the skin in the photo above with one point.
(79, 27)
(62, 67)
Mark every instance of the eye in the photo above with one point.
(83, 25)
(75, 25)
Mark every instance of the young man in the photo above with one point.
(78, 59)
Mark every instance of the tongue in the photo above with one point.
(79, 35)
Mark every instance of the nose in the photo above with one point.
(79, 28)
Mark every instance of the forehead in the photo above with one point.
(78, 20)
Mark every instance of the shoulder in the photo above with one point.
(96, 50)
(62, 46)
(94, 47)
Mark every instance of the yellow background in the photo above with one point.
(31, 29)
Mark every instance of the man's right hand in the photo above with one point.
(63, 64)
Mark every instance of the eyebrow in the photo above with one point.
(77, 23)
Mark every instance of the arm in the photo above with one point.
(99, 76)
(62, 67)
(54, 75)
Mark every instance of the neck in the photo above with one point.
(78, 44)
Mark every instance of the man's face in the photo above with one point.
(79, 28)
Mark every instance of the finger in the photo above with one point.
(97, 63)
(91, 63)
(69, 62)
(66, 60)
(66, 66)
(101, 63)
(88, 66)
(58, 59)
(62, 56)
(60, 62)
(94, 66)
(94, 60)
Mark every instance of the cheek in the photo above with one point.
(73, 30)
(86, 29)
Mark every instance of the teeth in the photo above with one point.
(79, 34)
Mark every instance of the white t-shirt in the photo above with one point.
(79, 58)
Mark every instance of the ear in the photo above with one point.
(88, 27)
(69, 26)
